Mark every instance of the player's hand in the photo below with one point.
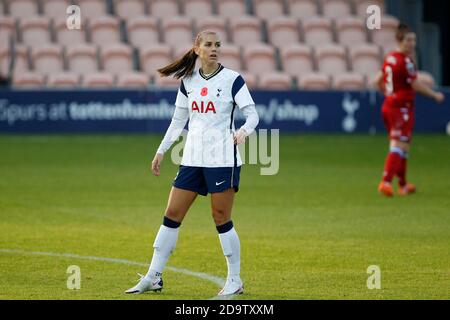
(156, 164)
(239, 136)
(439, 97)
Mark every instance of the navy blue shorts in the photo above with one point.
(207, 180)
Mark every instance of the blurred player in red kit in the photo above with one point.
(398, 81)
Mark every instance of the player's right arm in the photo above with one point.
(428, 92)
(179, 120)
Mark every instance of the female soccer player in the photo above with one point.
(207, 97)
(398, 81)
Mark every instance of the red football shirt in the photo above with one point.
(399, 72)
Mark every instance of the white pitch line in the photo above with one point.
(204, 276)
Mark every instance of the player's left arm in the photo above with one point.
(428, 92)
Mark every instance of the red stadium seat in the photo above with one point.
(47, 59)
(98, 80)
(104, 30)
(385, 37)
(7, 27)
(21, 63)
(164, 8)
(35, 31)
(127, 9)
(197, 8)
(426, 78)
(82, 58)
(22, 9)
(230, 57)
(153, 57)
(67, 37)
(177, 30)
(365, 59)
(55, 8)
(142, 31)
(28, 80)
(314, 81)
(362, 5)
(213, 23)
(331, 59)
(245, 30)
(351, 31)
(167, 82)
(133, 80)
(318, 31)
(260, 58)
(283, 31)
(231, 8)
(63, 80)
(275, 81)
(2, 8)
(348, 81)
(116, 58)
(302, 8)
(297, 59)
(336, 8)
(251, 79)
(268, 8)
(92, 8)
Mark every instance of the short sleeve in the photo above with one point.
(240, 93)
(182, 98)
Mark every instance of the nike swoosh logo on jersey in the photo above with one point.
(218, 184)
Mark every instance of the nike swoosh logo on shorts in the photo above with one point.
(218, 184)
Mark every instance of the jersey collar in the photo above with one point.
(220, 68)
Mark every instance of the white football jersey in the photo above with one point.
(211, 101)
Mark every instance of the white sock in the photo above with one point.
(164, 244)
(232, 250)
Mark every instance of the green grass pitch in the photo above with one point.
(309, 232)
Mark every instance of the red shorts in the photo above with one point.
(399, 122)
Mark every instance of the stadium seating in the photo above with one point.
(142, 30)
(21, 63)
(275, 81)
(336, 8)
(82, 58)
(47, 59)
(231, 8)
(297, 59)
(251, 80)
(348, 81)
(63, 80)
(314, 81)
(197, 8)
(166, 82)
(28, 80)
(303, 8)
(22, 9)
(98, 80)
(283, 31)
(133, 80)
(104, 30)
(126, 9)
(331, 59)
(213, 23)
(55, 8)
(245, 30)
(318, 42)
(268, 8)
(164, 8)
(317, 31)
(35, 31)
(92, 8)
(259, 58)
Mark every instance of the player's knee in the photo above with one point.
(174, 214)
(220, 216)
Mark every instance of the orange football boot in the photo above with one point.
(386, 189)
(408, 189)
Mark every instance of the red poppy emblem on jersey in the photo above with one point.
(204, 91)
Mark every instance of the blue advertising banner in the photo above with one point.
(103, 111)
